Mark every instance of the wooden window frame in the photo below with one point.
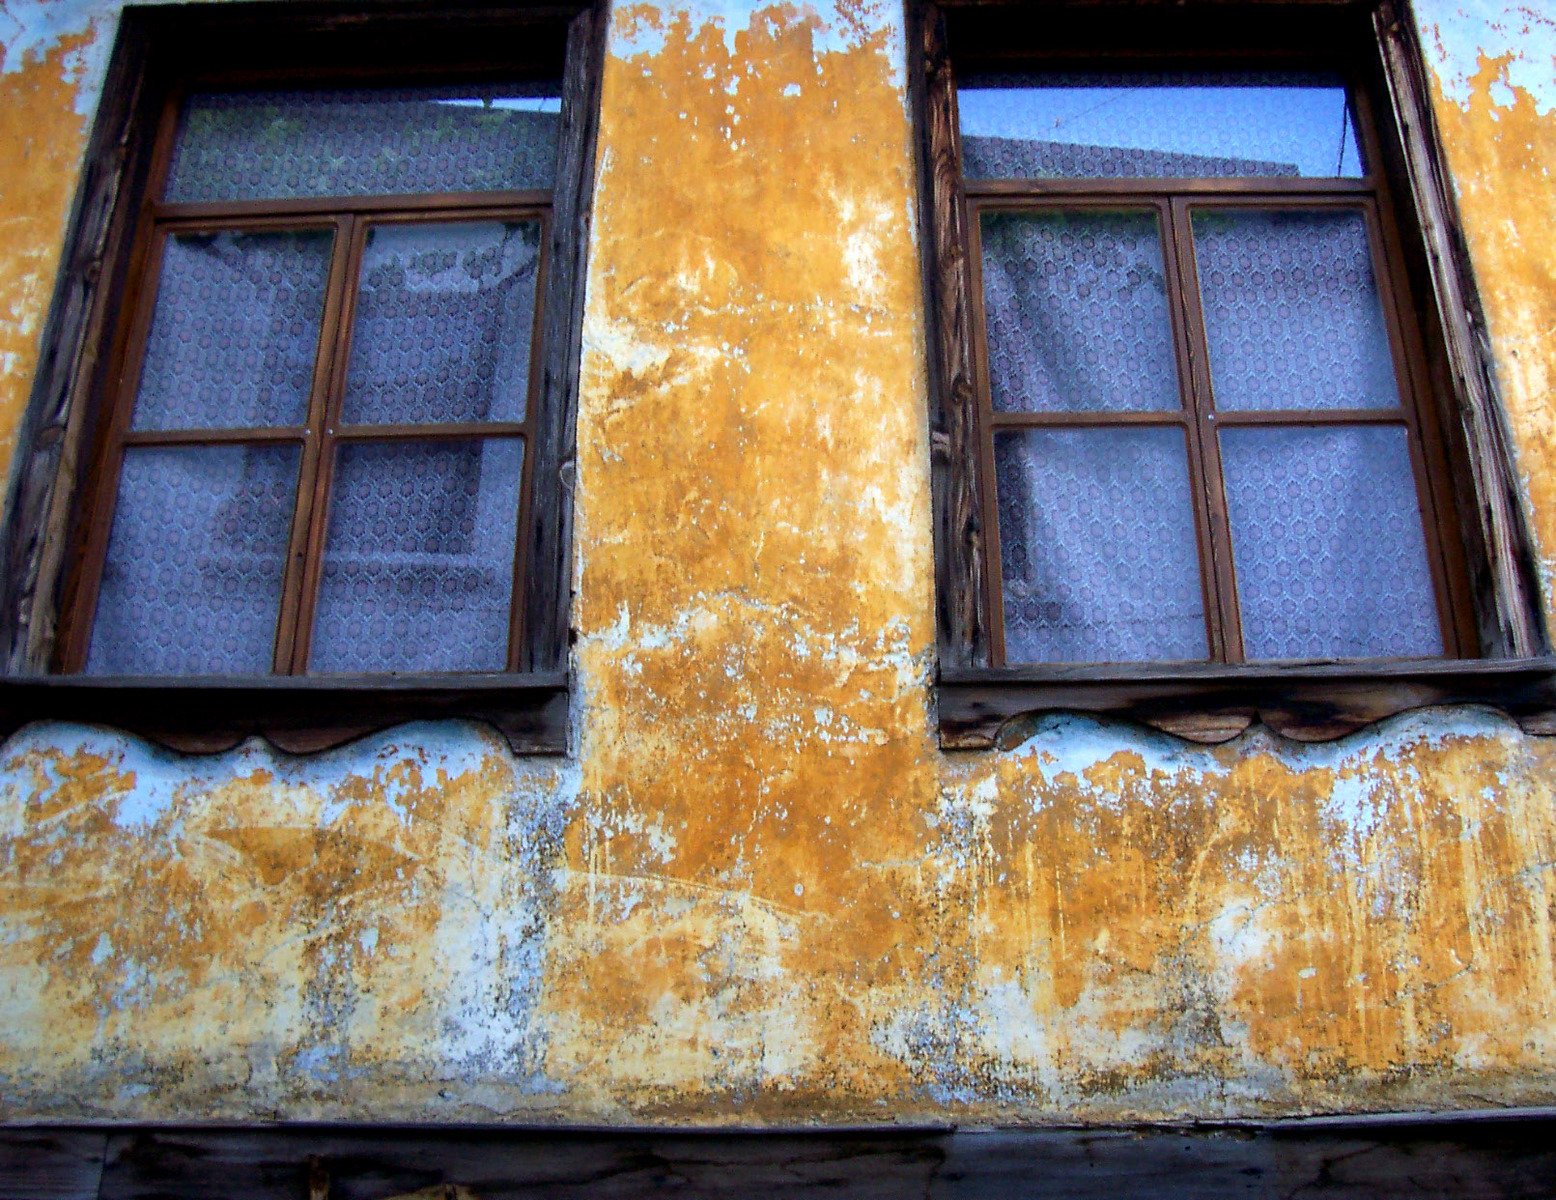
(1496, 648)
(348, 221)
(65, 483)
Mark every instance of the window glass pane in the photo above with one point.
(365, 142)
(1327, 539)
(1166, 125)
(192, 582)
(235, 331)
(1292, 313)
(1097, 546)
(1075, 305)
(444, 317)
(418, 566)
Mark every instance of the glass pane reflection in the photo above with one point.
(1160, 125)
(365, 142)
(1097, 546)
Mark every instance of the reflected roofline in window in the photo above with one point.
(161, 53)
(1375, 51)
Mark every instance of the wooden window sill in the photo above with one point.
(1314, 701)
(297, 714)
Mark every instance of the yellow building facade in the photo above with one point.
(756, 891)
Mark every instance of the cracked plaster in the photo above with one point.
(759, 893)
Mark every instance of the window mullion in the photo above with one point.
(329, 378)
(1204, 448)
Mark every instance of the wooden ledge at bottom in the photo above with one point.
(1306, 701)
(1509, 1154)
(297, 714)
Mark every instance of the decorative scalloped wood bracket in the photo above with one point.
(297, 715)
(1307, 702)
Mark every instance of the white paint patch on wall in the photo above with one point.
(30, 29)
(833, 30)
(477, 855)
(1078, 744)
(1458, 34)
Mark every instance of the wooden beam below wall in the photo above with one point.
(1464, 1156)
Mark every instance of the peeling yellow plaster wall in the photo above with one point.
(754, 605)
(252, 934)
(1495, 67)
(1121, 940)
(759, 892)
(1094, 925)
(1155, 927)
(43, 136)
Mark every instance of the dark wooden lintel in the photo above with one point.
(1308, 701)
(1502, 1155)
(300, 715)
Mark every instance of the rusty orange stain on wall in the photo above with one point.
(1501, 147)
(1330, 927)
(257, 933)
(760, 892)
(43, 136)
(754, 602)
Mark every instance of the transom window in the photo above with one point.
(320, 456)
(1196, 386)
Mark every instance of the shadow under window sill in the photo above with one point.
(1309, 701)
(296, 714)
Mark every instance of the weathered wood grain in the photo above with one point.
(1467, 1158)
(1309, 701)
(955, 449)
(51, 1164)
(1503, 566)
(55, 429)
(300, 715)
(548, 579)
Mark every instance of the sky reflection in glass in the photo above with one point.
(1177, 125)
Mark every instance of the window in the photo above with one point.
(1205, 441)
(329, 435)
(1193, 412)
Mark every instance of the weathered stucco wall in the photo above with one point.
(1495, 65)
(758, 891)
(51, 59)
